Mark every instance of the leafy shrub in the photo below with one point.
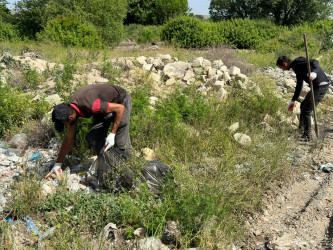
(64, 80)
(70, 31)
(246, 33)
(8, 32)
(148, 35)
(19, 108)
(241, 33)
(31, 77)
(186, 32)
(182, 108)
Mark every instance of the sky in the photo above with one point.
(199, 7)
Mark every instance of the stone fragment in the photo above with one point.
(141, 60)
(234, 127)
(151, 243)
(233, 71)
(189, 75)
(289, 83)
(222, 95)
(139, 232)
(148, 154)
(217, 64)
(242, 139)
(54, 99)
(176, 70)
(197, 62)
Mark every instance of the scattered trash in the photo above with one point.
(46, 234)
(328, 167)
(9, 219)
(14, 151)
(31, 227)
(19, 141)
(242, 168)
(34, 157)
(3, 144)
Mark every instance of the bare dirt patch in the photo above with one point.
(299, 215)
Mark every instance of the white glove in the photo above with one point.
(291, 106)
(56, 170)
(109, 142)
(313, 75)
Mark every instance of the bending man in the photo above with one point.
(320, 87)
(107, 104)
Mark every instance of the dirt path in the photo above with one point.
(299, 215)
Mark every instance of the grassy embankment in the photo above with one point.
(190, 134)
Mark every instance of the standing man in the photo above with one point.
(107, 104)
(320, 84)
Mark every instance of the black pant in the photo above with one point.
(101, 123)
(307, 108)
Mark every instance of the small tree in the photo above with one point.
(155, 11)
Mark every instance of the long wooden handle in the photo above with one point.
(311, 85)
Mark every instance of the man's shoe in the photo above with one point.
(304, 138)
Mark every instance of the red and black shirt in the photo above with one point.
(93, 99)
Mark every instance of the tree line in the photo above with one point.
(283, 12)
(96, 22)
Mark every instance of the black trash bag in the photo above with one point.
(116, 170)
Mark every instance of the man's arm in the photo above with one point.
(67, 143)
(315, 66)
(298, 89)
(118, 110)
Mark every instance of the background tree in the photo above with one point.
(155, 11)
(140, 11)
(226, 9)
(167, 9)
(284, 12)
(29, 16)
(4, 11)
(298, 11)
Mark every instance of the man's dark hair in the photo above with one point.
(60, 115)
(282, 59)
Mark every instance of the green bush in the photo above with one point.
(70, 31)
(19, 109)
(186, 32)
(8, 32)
(190, 32)
(246, 33)
(142, 34)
